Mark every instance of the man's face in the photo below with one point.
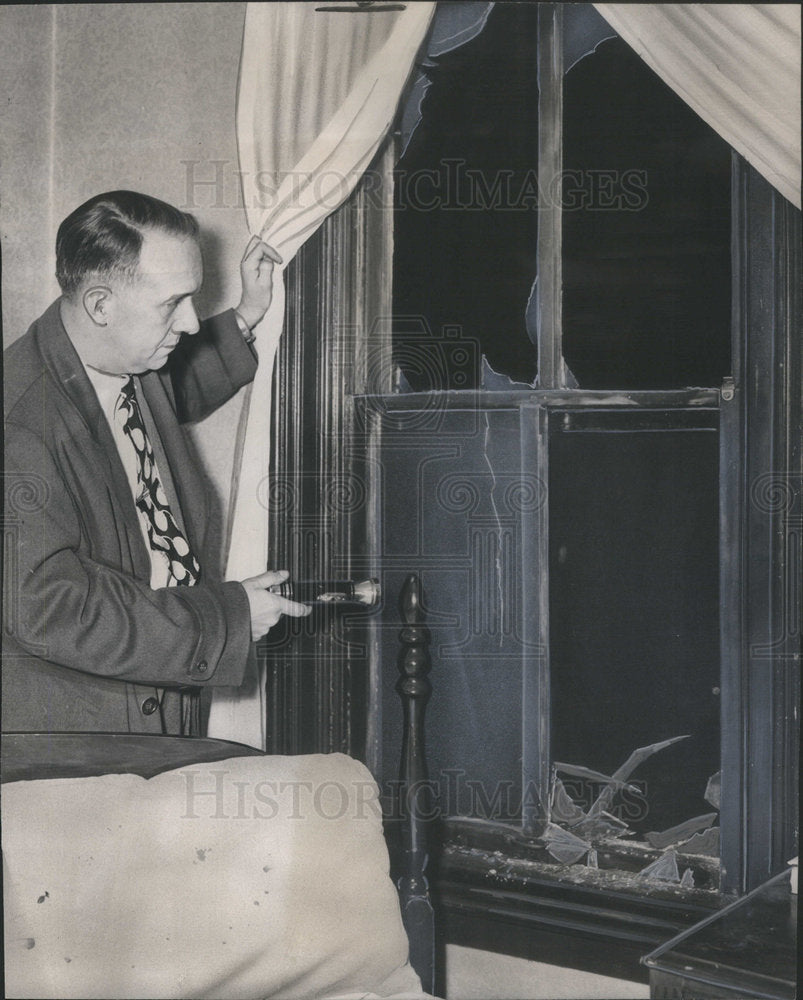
(149, 314)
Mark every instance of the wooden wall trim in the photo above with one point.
(761, 503)
(336, 343)
(550, 218)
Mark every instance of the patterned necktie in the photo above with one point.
(164, 534)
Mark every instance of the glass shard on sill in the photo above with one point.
(623, 773)
(601, 826)
(586, 830)
(665, 869)
(577, 771)
(681, 832)
(706, 842)
(713, 790)
(563, 809)
(563, 845)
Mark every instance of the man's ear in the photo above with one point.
(97, 302)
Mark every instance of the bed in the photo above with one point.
(154, 866)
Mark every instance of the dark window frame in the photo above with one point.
(343, 279)
(760, 540)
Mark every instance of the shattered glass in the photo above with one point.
(601, 826)
(623, 773)
(564, 846)
(706, 842)
(664, 869)
(563, 809)
(713, 790)
(680, 833)
(587, 829)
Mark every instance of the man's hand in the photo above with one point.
(266, 608)
(256, 271)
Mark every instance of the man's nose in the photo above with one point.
(187, 319)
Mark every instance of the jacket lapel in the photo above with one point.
(68, 372)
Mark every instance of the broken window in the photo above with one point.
(466, 207)
(569, 539)
(646, 218)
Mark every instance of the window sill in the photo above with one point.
(489, 874)
(506, 855)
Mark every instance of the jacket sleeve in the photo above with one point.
(206, 370)
(79, 613)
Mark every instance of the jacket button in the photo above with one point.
(149, 706)
(201, 667)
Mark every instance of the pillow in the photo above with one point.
(249, 877)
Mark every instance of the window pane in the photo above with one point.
(646, 231)
(466, 218)
(634, 605)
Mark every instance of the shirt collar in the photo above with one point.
(107, 387)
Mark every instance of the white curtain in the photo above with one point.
(318, 93)
(737, 65)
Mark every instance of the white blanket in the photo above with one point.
(251, 877)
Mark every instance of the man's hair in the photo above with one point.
(103, 237)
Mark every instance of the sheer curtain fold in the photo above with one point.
(317, 95)
(737, 65)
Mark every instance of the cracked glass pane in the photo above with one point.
(466, 207)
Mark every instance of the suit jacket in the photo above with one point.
(85, 639)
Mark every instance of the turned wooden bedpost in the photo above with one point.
(415, 793)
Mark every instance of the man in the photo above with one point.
(115, 617)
